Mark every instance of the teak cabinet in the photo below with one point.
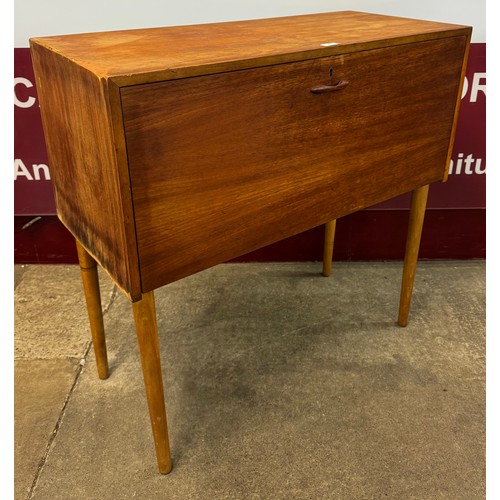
(175, 149)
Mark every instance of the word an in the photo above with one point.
(39, 171)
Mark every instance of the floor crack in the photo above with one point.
(43, 460)
(112, 299)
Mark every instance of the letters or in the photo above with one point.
(478, 85)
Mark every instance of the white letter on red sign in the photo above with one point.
(20, 170)
(31, 100)
(477, 86)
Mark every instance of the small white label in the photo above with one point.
(329, 44)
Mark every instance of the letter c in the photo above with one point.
(31, 100)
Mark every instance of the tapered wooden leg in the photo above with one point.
(147, 337)
(328, 247)
(88, 268)
(417, 212)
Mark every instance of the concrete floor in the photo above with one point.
(279, 384)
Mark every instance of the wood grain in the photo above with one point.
(174, 149)
(131, 57)
(149, 349)
(92, 191)
(328, 247)
(457, 108)
(90, 279)
(417, 213)
(224, 164)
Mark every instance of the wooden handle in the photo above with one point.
(323, 89)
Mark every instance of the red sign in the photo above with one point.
(466, 186)
(32, 187)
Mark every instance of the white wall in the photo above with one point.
(58, 17)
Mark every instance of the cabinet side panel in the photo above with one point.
(80, 146)
(457, 105)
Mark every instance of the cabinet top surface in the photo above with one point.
(144, 55)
